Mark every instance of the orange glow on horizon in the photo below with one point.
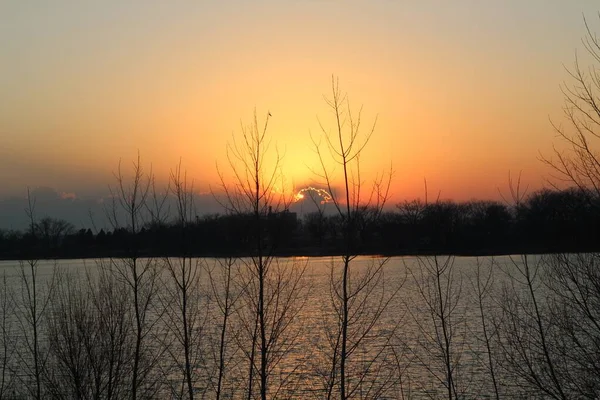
(178, 83)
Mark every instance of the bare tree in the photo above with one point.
(526, 334)
(524, 331)
(70, 325)
(52, 231)
(573, 281)
(35, 294)
(272, 293)
(482, 286)
(357, 300)
(565, 323)
(112, 346)
(223, 283)
(129, 209)
(183, 295)
(579, 163)
(443, 339)
(90, 336)
(7, 338)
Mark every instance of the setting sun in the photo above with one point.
(317, 195)
(74, 104)
(295, 199)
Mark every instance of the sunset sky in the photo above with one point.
(464, 90)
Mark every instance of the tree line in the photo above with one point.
(547, 221)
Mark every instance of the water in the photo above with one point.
(402, 322)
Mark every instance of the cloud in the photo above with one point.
(81, 211)
(47, 202)
(65, 196)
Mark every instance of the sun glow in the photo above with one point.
(314, 194)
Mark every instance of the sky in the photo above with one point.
(463, 91)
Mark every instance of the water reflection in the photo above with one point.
(408, 352)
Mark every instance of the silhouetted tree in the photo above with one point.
(353, 292)
(52, 232)
(579, 162)
(442, 336)
(223, 280)
(182, 295)
(273, 293)
(128, 213)
(8, 341)
(35, 294)
(483, 284)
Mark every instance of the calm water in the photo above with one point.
(398, 356)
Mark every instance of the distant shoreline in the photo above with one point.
(289, 254)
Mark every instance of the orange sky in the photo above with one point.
(463, 91)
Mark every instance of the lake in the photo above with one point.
(418, 327)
